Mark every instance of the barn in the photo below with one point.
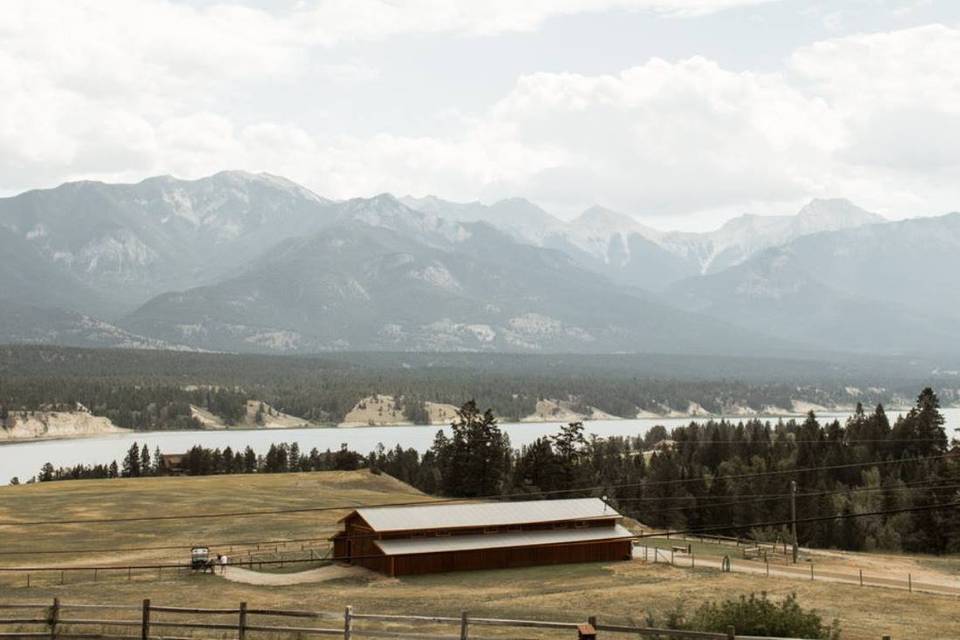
(409, 540)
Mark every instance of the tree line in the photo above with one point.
(695, 477)
(149, 404)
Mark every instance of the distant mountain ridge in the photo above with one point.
(127, 242)
(391, 281)
(638, 255)
(253, 262)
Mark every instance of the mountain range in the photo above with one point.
(253, 262)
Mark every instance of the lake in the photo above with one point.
(24, 459)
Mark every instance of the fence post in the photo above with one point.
(28, 581)
(731, 633)
(242, 625)
(671, 556)
(811, 571)
(463, 625)
(693, 561)
(861, 577)
(61, 576)
(54, 618)
(910, 582)
(347, 622)
(145, 621)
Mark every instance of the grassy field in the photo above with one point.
(617, 593)
(126, 498)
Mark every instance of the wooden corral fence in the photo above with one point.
(748, 549)
(56, 575)
(148, 621)
(684, 556)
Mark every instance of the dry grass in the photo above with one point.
(616, 593)
(174, 496)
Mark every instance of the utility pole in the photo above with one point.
(793, 516)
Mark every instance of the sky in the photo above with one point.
(681, 113)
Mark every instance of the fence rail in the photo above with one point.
(28, 576)
(805, 571)
(57, 627)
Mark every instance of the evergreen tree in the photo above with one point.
(146, 465)
(46, 473)
(249, 460)
(131, 463)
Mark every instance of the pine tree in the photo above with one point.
(146, 465)
(294, 457)
(131, 463)
(929, 423)
(46, 473)
(249, 460)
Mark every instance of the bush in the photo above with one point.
(762, 617)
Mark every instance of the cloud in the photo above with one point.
(332, 21)
(121, 89)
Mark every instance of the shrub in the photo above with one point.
(761, 616)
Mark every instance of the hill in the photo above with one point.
(619, 593)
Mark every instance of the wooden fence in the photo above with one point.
(147, 621)
(57, 575)
(805, 571)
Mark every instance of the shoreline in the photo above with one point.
(525, 421)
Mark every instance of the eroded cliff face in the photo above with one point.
(28, 425)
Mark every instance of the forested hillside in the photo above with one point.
(155, 390)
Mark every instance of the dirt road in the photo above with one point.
(323, 574)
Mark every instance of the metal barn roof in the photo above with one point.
(407, 546)
(484, 514)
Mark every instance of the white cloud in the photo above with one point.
(331, 21)
(120, 89)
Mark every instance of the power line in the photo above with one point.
(921, 484)
(300, 510)
(753, 499)
(770, 498)
(786, 439)
(749, 525)
(641, 536)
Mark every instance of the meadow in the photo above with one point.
(624, 592)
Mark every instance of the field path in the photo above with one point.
(323, 574)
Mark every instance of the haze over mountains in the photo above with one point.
(244, 262)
